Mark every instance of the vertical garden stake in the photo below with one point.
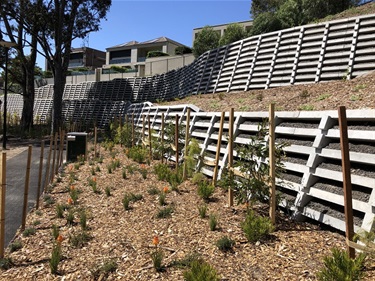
(217, 157)
(40, 174)
(3, 177)
(54, 157)
(149, 135)
(230, 155)
(186, 142)
(176, 141)
(162, 137)
(95, 140)
(272, 174)
(26, 190)
(344, 143)
(47, 177)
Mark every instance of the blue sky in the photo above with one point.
(175, 19)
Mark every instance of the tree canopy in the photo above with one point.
(234, 32)
(207, 39)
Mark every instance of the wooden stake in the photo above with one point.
(132, 129)
(3, 177)
(26, 191)
(217, 158)
(62, 140)
(162, 137)
(149, 135)
(143, 128)
(187, 137)
(176, 141)
(58, 153)
(40, 174)
(47, 175)
(54, 158)
(344, 143)
(95, 140)
(230, 154)
(271, 132)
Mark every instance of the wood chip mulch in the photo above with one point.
(294, 251)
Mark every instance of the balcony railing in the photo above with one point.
(120, 60)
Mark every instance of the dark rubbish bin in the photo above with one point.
(76, 146)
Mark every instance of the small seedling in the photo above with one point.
(55, 258)
(16, 245)
(55, 231)
(202, 210)
(212, 222)
(164, 213)
(162, 199)
(157, 259)
(225, 244)
(28, 232)
(108, 191)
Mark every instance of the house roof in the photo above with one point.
(152, 41)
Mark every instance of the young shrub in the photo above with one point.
(80, 239)
(225, 244)
(162, 197)
(340, 267)
(153, 191)
(107, 191)
(28, 232)
(157, 259)
(213, 222)
(256, 227)
(55, 231)
(6, 263)
(70, 218)
(73, 192)
(164, 213)
(15, 246)
(55, 257)
(126, 201)
(202, 211)
(205, 190)
(143, 171)
(104, 269)
(83, 219)
(60, 211)
(202, 271)
(198, 177)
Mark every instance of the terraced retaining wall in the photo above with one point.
(312, 182)
(300, 55)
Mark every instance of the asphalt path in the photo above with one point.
(15, 186)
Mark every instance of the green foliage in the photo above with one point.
(306, 107)
(55, 231)
(234, 32)
(104, 269)
(15, 246)
(155, 54)
(80, 239)
(153, 191)
(198, 177)
(265, 22)
(162, 197)
(55, 258)
(205, 190)
(107, 191)
(256, 227)
(225, 244)
(157, 259)
(181, 50)
(164, 213)
(201, 271)
(83, 219)
(207, 39)
(126, 201)
(60, 210)
(340, 267)
(6, 263)
(254, 184)
(213, 222)
(138, 154)
(191, 159)
(202, 209)
(70, 218)
(261, 6)
(28, 232)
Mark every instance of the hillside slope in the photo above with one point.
(358, 93)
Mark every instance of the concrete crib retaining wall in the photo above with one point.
(312, 183)
(306, 54)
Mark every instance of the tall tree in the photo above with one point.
(14, 14)
(207, 39)
(234, 32)
(62, 22)
(262, 6)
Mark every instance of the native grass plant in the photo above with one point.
(28, 232)
(162, 197)
(124, 176)
(202, 209)
(104, 269)
(73, 193)
(55, 231)
(60, 208)
(107, 191)
(92, 182)
(213, 222)
(186, 260)
(205, 190)
(253, 184)
(56, 254)
(225, 244)
(340, 267)
(192, 157)
(198, 177)
(153, 191)
(138, 153)
(165, 212)
(143, 171)
(15, 246)
(70, 217)
(6, 263)
(130, 197)
(201, 271)
(83, 219)
(157, 255)
(79, 239)
(256, 227)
